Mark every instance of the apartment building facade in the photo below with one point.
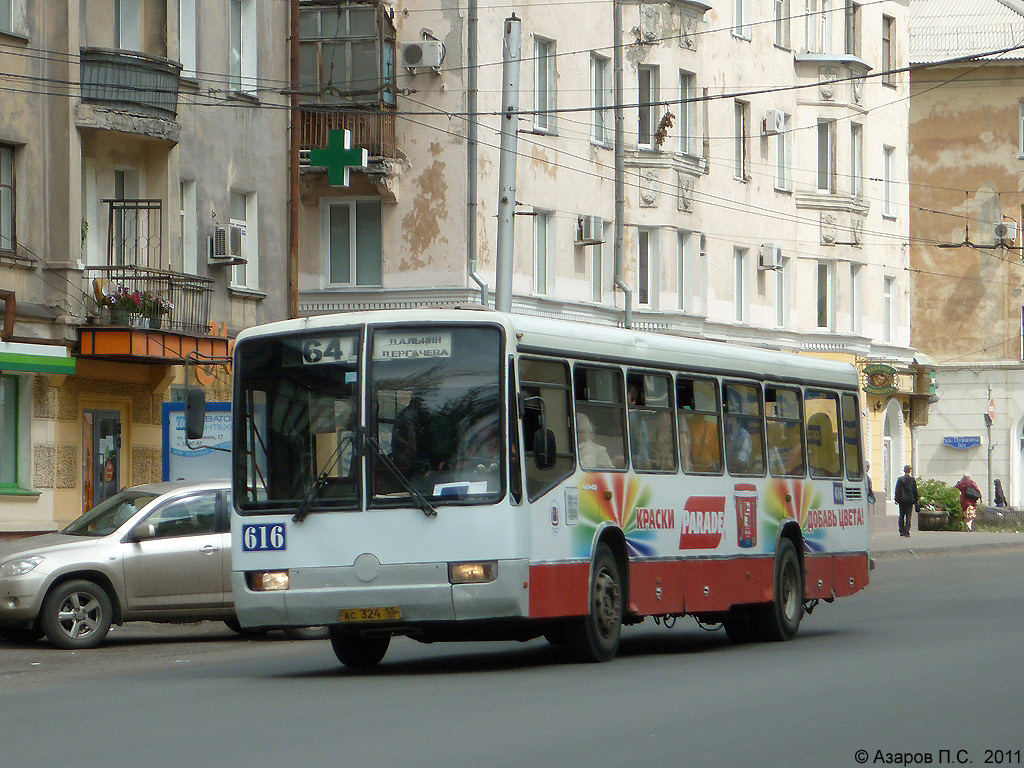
(143, 184)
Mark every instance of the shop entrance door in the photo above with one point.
(101, 447)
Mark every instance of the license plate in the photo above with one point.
(386, 613)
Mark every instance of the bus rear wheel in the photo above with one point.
(357, 651)
(780, 619)
(596, 636)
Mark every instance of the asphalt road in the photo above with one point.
(926, 659)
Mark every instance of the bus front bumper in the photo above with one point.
(421, 592)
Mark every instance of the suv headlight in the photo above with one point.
(20, 567)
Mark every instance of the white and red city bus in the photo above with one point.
(458, 474)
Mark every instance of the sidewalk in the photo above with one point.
(887, 542)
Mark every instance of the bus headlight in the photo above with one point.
(265, 581)
(472, 573)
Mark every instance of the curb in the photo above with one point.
(884, 554)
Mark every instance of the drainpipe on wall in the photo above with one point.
(471, 153)
(293, 166)
(620, 168)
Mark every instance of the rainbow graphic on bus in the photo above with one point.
(791, 500)
(613, 498)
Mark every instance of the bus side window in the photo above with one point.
(784, 431)
(851, 437)
(700, 434)
(600, 418)
(744, 429)
(652, 443)
(823, 454)
(544, 402)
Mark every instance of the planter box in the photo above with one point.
(932, 519)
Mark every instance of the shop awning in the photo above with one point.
(35, 358)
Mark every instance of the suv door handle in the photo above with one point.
(209, 549)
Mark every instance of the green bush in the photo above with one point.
(936, 494)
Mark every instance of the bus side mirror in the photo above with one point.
(544, 453)
(195, 414)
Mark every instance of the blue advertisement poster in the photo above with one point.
(206, 459)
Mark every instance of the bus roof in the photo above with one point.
(599, 343)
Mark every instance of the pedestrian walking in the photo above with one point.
(906, 497)
(999, 498)
(970, 495)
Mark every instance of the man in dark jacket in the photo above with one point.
(906, 497)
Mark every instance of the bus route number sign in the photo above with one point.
(263, 537)
(332, 349)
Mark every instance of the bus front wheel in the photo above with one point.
(596, 636)
(357, 651)
(780, 619)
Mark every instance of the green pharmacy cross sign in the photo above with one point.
(339, 157)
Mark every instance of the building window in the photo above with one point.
(242, 53)
(824, 24)
(739, 284)
(782, 293)
(126, 25)
(544, 85)
(827, 156)
(888, 308)
(7, 198)
(351, 242)
(888, 206)
(600, 97)
(685, 270)
(687, 113)
(349, 47)
(644, 255)
(783, 162)
(647, 95)
(826, 295)
(741, 126)
(542, 234)
(852, 28)
(855, 297)
(9, 429)
(812, 25)
(1020, 132)
(187, 37)
(6, 15)
(741, 18)
(188, 255)
(782, 26)
(888, 78)
(242, 239)
(856, 159)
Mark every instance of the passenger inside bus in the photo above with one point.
(592, 454)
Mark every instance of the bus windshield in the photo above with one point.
(432, 431)
(436, 413)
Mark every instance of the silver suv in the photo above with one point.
(159, 552)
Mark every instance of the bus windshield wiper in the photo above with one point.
(421, 500)
(321, 481)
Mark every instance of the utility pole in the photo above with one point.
(293, 164)
(989, 416)
(620, 167)
(507, 164)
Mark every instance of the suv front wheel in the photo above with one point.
(76, 614)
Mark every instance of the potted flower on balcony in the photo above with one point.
(155, 307)
(122, 303)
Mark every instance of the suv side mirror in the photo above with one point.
(143, 532)
(195, 414)
(544, 449)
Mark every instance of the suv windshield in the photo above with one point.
(110, 514)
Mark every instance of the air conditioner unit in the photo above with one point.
(427, 54)
(774, 122)
(770, 256)
(1006, 231)
(219, 244)
(588, 230)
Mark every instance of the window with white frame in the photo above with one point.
(826, 294)
(544, 85)
(856, 310)
(685, 269)
(601, 99)
(888, 308)
(826, 156)
(644, 268)
(700, 277)
(888, 24)
(350, 238)
(739, 285)
(812, 26)
(647, 110)
(888, 204)
(782, 25)
(242, 50)
(741, 18)
(242, 239)
(9, 429)
(126, 25)
(824, 24)
(783, 160)
(7, 198)
(782, 293)
(543, 232)
(597, 262)
(187, 37)
(856, 159)
(741, 136)
(188, 253)
(852, 28)
(687, 113)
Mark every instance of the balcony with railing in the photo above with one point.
(130, 81)
(373, 129)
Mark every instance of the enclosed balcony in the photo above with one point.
(130, 81)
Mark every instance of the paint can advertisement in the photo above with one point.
(746, 515)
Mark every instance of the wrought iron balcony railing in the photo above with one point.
(130, 81)
(141, 297)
